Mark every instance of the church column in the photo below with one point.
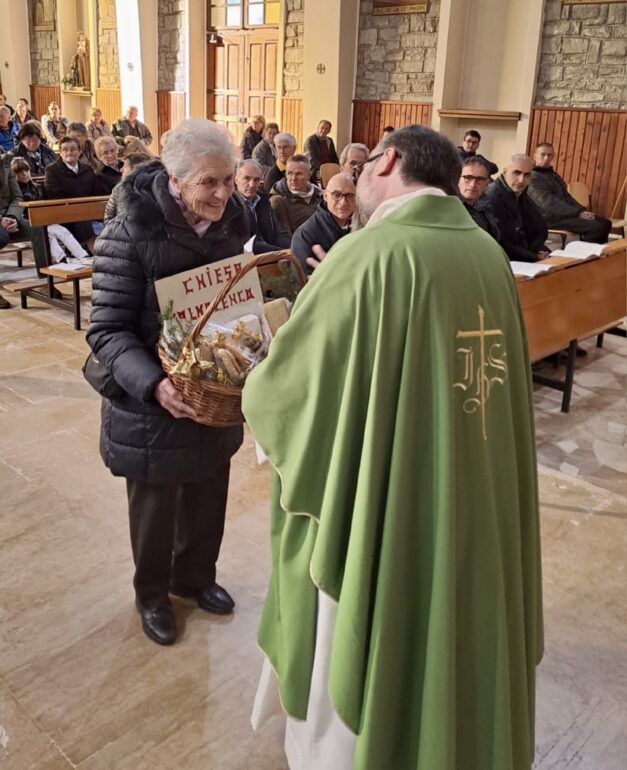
(137, 45)
(330, 55)
(196, 59)
(486, 60)
(15, 58)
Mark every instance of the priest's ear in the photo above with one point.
(387, 162)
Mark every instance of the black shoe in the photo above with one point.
(158, 623)
(4, 303)
(215, 599)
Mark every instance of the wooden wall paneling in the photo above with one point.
(41, 96)
(170, 110)
(109, 100)
(371, 117)
(292, 118)
(589, 147)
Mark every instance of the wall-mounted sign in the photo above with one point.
(389, 7)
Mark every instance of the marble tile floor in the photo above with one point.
(81, 687)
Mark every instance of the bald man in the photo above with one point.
(523, 230)
(330, 222)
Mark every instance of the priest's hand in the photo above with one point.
(320, 254)
(168, 396)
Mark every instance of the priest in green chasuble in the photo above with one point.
(403, 621)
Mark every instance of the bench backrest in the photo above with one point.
(64, 210)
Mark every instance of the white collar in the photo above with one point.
(389, 206)
(72, 168)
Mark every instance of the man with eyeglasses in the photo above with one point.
(352, 159)
(403, 621)
(470, 145)
(329, 223)
(472, 185)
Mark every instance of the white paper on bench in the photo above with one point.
(529, 269)
(70, 267)
(580, 250)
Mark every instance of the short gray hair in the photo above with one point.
(353, 146)
(190, 142)
(285, 137)
(5, 109)
(256, 165)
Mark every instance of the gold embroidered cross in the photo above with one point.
(483, 381)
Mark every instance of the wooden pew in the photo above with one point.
(575, 303)
(59, 212)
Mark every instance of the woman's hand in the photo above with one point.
(168, 396)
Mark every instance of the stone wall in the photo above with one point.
(108, 57)
(582, 63)
(172, 45)
(294, 48)
(396, 54)
(44, 51)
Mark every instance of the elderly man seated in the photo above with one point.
(469, 148)
(523, 231)
(128, 126)
(473, 183)
(294, 199)
(108, 171)
(330, 222)
(269, 235)
(352, 159)
(560, 210)
(285, 147)
(319, 148)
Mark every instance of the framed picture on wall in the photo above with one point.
(390, 7)
(42, 15)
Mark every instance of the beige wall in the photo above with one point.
(16, 77)
(197, 59)
(148, 36)
(487, 60)
(329, 95)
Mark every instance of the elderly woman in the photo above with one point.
(32, 149)
(109, 169)
(252, 136)
(87, 155)
(178, 215)
(97, 126)
(53, 126)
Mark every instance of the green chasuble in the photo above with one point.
(395, 407)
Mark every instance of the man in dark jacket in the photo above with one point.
(294, 199)
(33, 150)
(129, 126)
(560, 210)
(473, 183)
(469, 148)
(178, 216)
(523, 231)
(269, 235)
(319, 148)
(330, 221)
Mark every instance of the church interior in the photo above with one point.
(80, 685)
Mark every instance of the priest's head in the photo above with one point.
(409, 159)
(517, 173)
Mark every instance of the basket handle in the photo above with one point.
(262, 259)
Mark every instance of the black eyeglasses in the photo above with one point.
(358, 167)
(470, 178)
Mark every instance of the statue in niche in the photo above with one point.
(79, 64)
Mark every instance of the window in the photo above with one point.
(244, 13)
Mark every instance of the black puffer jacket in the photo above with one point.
(550, 194)
(139, 439)
(321, 228)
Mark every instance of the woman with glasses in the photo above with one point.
(330, 222)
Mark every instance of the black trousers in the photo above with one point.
(592, 230)
(176, 533)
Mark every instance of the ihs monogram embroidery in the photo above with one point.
(483, 368)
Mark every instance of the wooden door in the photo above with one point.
(242, 78)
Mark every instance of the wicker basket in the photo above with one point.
(218, 406)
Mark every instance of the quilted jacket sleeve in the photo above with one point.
(117, 302)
